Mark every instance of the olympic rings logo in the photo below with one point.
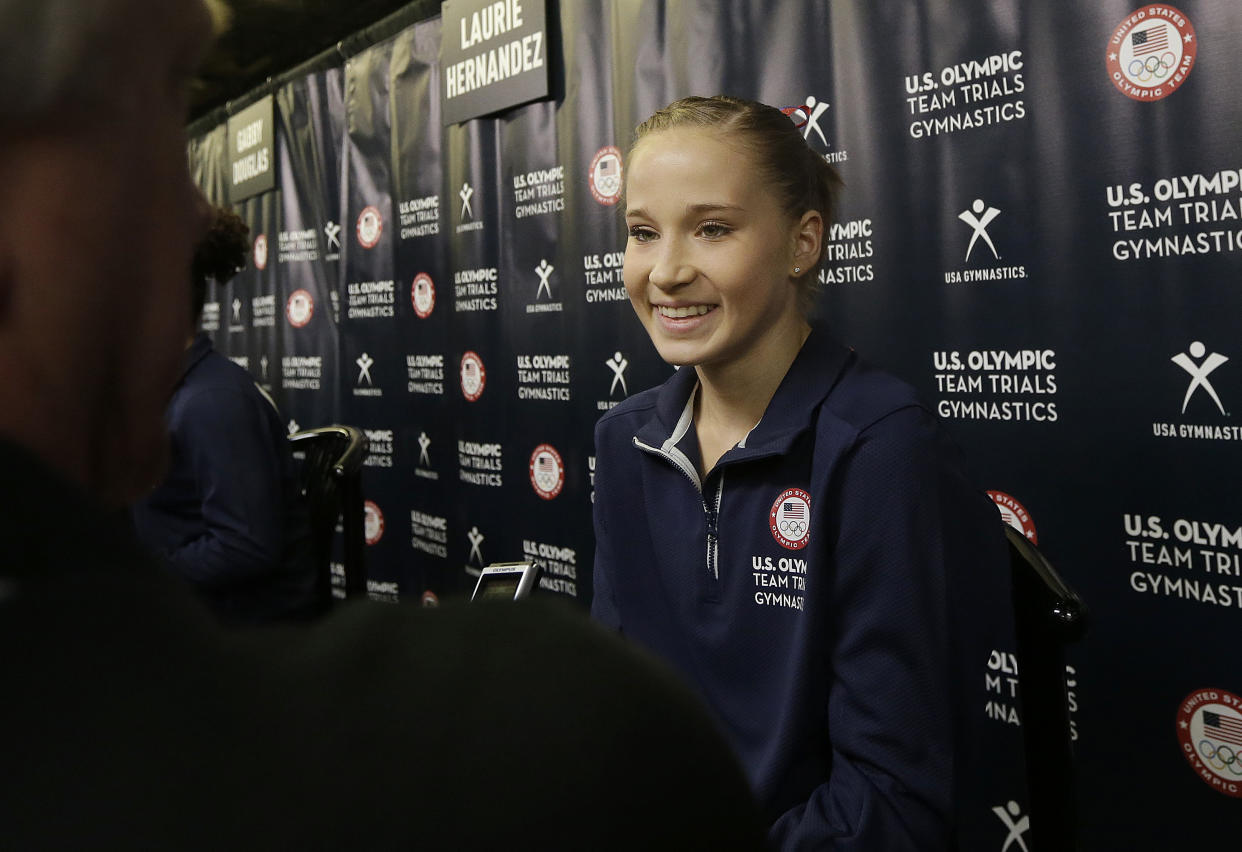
(1151, 68)
(794, 528)
(1222, 754)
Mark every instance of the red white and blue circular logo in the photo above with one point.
(260, 251)
(423, 295)
(370, 226)
(605, 175)
(547, 471)
(473, 376)
(300, 308)
(1209, 729)
(1150, 53)
(372, 522)
(790, 519)
(1015, 514)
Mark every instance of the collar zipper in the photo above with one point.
(711, 509)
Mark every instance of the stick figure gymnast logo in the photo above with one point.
(1017, 827)
(333, 232)
(617, 364)
(364, 363)
(814, 109)
(1199, 372)
(476, 538)
(544, 270)
(466, 191)
(978, 217)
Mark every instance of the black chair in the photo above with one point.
(1048, 616)
(331, 481)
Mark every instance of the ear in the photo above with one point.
(808, 240)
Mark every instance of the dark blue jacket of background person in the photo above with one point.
(229, 517)
(811, 588)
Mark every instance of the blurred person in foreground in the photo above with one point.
(229, 517)
(133, 721)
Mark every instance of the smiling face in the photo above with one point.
(710, 256)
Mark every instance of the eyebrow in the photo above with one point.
(693, 209)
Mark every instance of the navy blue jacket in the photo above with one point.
(804, 586)
(229, 517)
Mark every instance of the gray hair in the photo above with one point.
(50, 53)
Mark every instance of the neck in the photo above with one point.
(733, 396)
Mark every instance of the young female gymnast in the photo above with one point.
(779, 520)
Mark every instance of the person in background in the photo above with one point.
(133, 720)
(229, 517)
(780, 521)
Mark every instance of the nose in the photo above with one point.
(672, 268)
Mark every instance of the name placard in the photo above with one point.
(252, 162)
(493, 55)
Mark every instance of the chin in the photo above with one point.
(675, 354)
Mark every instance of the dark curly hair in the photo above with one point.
(220, 255)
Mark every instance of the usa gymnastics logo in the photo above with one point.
(300, 308)
(260, 251)
(605, 175)
(423, 295)
(473, 376)
(1015, 514)
(547, 471)
(370, 226)
(1151, 52)
(372, 522)
(790, 519)
(1209, 728)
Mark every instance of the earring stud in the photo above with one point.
(797, 269)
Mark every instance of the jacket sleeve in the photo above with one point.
(603, 602)
(889, 713)
(224, 435)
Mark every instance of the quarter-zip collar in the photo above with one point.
(810, 377)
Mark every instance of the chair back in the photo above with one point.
(1048, 615)
(331, 482)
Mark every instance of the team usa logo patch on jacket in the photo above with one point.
(790, 519)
